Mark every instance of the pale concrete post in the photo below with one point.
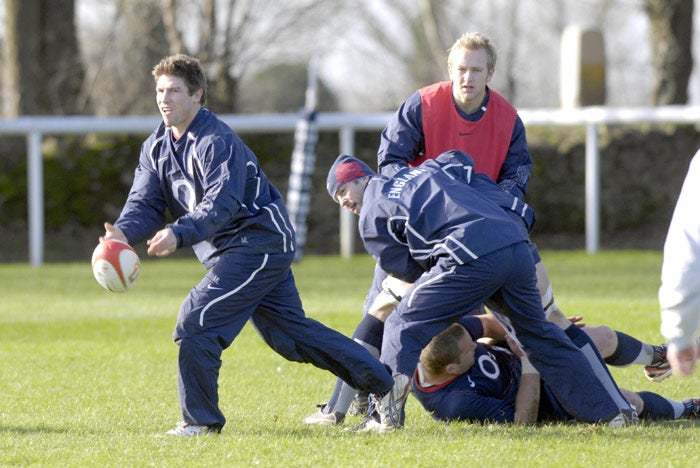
(582, 83)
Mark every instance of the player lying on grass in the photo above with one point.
(617, 348)
(460, 379)
(370, 331)
(452, 233)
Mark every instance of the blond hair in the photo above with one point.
(473, 41)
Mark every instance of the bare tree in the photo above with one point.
(416, 35)
(671, 36)
(43, 67)
(142, 38)
(374, 52)
(119, 57)
(233, 37)
(392, 59)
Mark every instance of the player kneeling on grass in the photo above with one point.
(196, 169)
(460, 379)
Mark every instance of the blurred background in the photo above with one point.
(94, 57)
(373, 53)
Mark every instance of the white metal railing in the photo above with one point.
(346, 124)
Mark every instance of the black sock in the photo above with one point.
(370, 332)
(627, 350)
(655, 407)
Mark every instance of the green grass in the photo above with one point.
(88, 377)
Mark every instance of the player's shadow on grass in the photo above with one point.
(678, 423)
(24, 430)
(458, 429)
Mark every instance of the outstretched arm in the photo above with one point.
(527, 400)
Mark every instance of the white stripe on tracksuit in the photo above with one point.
(230, 293)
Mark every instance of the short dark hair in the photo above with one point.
(185, 67)
(443, 349)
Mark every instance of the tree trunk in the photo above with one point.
(22, 64)
(44, 71)
(143, 37)
(671, 37)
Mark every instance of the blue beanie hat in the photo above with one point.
(345, 169)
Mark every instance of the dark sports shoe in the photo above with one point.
(692, 408)
(359, 405)
(659, 369)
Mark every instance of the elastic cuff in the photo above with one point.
(178, 239)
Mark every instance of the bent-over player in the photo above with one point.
(428, 226)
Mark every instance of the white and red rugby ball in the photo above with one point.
(115, 265)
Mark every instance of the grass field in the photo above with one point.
(88, 377)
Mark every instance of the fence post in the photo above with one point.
(35, 193)
(592, 189)
(348, 223)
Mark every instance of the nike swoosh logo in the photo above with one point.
(465, 133)
(209, 286)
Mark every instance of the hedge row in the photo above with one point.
(87, 178)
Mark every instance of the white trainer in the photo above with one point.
(319, 418)
(627, 417)
(369, 424)
(184, 429)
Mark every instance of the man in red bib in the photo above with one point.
(460, 114)
(465, 114)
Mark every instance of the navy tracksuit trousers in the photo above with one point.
(504, 280)
(259, 288)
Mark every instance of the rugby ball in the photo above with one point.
(115, 265)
